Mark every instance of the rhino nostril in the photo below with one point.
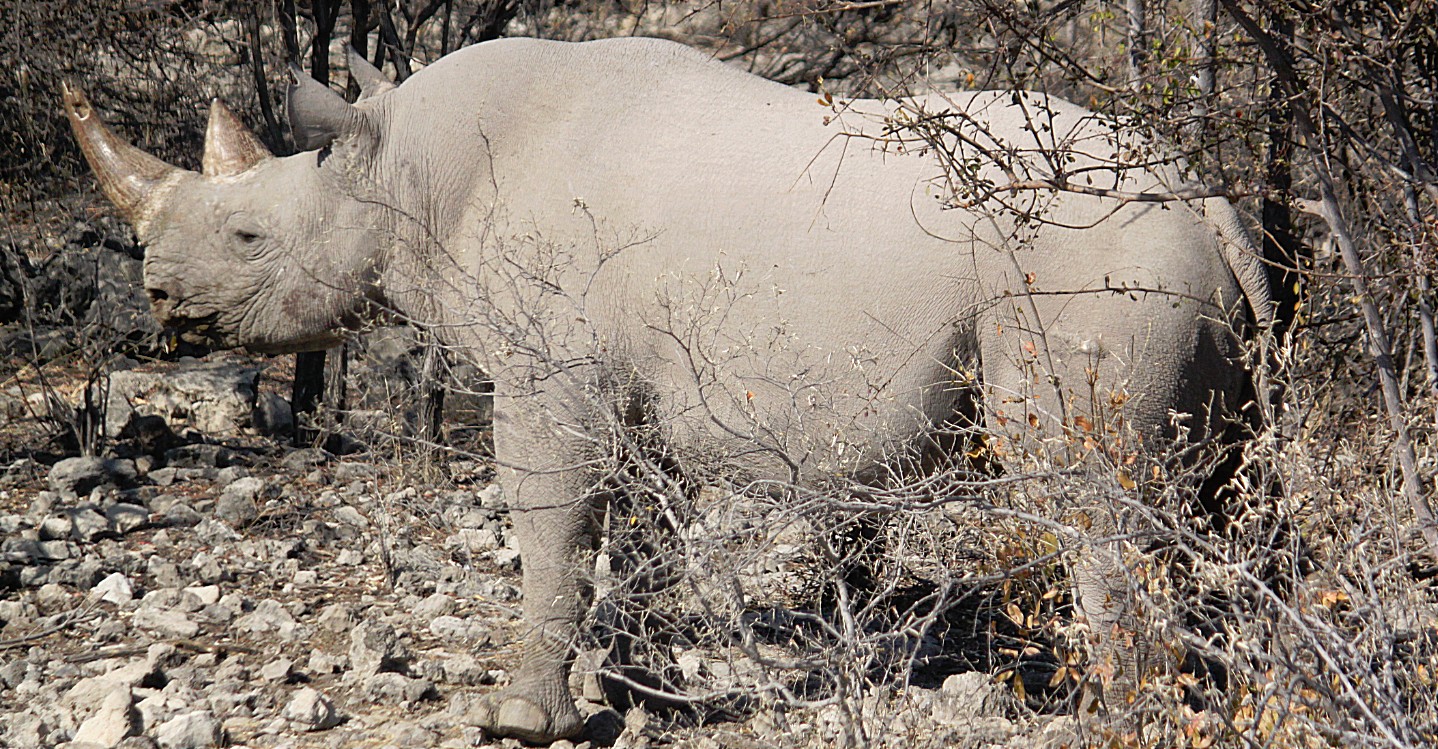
(157, 295)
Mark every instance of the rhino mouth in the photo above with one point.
(196, 329)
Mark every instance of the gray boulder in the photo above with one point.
(210, 398)
(81, 475)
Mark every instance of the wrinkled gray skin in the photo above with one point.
(626, 231)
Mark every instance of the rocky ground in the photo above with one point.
(203, 583)
(236, 592)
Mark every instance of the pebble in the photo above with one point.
(115, 588)
(124, 517)
(167, 622)
(455, 628)
(193, 730)
(279, 669)
(435, 605)
(375, 647)
(309, 710)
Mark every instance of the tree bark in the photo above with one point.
(262, 86)
(1137, 42)
(309, 385)
(1281, 249)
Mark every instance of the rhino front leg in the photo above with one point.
(551, 497)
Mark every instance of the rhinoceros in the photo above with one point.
(787, 290)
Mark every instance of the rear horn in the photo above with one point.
(230, 147)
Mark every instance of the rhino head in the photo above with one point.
(271, 254)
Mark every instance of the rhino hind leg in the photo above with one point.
(646, 559)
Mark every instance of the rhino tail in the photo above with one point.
(1244, 260)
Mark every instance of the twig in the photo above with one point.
(70, 617)
(1332, 213)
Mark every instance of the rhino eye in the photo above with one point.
(247, 238)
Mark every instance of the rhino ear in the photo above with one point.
(371, 81)
(230, 147)
(319, 116)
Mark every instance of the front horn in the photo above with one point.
(230, 147)
(127, 175)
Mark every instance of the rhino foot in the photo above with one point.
(518, 716)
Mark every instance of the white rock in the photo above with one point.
(438, 604)
(88, 693)
(336, 618)
(270, 616)
(124, 517)
(474, 540)
(311, 711)
(967, 697)
(165, 622)
(389, 687)
(207, 595)
(277, 670)
(112, 723)
(491, 496)
(375, 647)
(347, 515)
(160, 705)
(192, 730)
(455, 628)
(115, 588)
(55, 527)
(88, 525)
(159, 654)
(213, 398)
(507, 559)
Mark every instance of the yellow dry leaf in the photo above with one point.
(1126, 481)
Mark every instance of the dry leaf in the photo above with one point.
(1126, 481)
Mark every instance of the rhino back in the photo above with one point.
(780, 268)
